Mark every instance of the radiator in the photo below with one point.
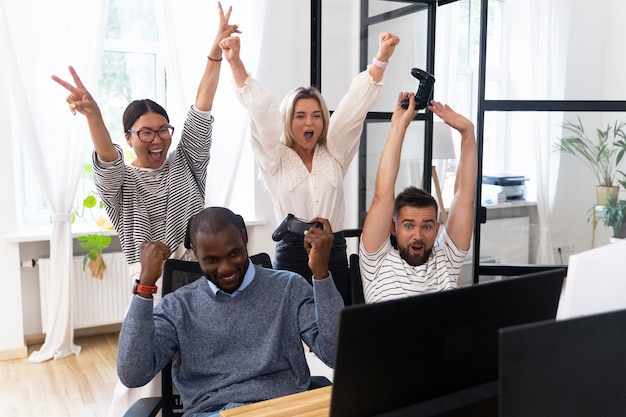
(97, 302)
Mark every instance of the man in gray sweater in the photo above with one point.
(238, 332)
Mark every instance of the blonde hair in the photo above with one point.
(289, 104)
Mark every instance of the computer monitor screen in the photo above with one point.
(434, 353)
(573, 367)
(595, 283)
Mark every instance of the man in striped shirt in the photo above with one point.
(423, 260)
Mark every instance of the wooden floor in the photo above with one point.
(76, 386)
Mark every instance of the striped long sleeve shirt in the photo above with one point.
(154, 204)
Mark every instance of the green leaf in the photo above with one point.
(90, 201)
(94, 241)
(87, 168)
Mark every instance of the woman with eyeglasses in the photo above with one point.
(152, 198)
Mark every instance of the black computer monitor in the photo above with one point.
(434, 353)
(574, 367)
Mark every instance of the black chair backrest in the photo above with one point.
(356, 285)
(176, 273)
(356, 288)
(262, 259)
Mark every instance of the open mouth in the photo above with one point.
(155, 154)
(416, 250)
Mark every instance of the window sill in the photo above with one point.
(43, 233)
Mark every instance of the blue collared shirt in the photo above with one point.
(247, 279)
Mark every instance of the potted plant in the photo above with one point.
(94, 242)
(612, 215)
(602, 155)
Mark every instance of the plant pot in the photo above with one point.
(620, 234)
(602, 191)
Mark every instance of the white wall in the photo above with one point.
(595, 71)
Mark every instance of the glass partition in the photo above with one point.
(538, 69)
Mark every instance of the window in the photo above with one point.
(466, 82)
(131, 65)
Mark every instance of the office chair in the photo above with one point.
(177, 273)
(262, 259)
(356, 286)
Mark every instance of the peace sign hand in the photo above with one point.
(79, 99)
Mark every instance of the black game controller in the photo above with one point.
(292, 224)
(424, 91)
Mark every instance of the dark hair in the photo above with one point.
(138, 108)
(212, 220)
(414, 197)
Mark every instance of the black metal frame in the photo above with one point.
(373, 117)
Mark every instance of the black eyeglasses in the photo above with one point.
(147, 135)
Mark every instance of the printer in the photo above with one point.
(502, 188)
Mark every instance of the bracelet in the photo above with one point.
(214, 60)
(379, 64)
(144, 289)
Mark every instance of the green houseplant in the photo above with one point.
(602, 155)
(612, 215)
(95, 242)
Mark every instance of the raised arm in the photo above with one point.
(318, 244)
(138, 332)
(346, 122)
(151, 256)
(460, 223)
(210, 78)
(377, 226)
(266, 126)
(81, 101)
(386, 45)
(231, 48)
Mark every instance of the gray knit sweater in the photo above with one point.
(242, 349)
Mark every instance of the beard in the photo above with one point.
(414, 260)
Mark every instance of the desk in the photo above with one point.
(312, 403)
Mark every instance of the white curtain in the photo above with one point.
(187, 30)
(550, 20)
(42, 38)
(445, 53)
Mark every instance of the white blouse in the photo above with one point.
(292, 187)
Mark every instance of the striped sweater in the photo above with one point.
(154, 204)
